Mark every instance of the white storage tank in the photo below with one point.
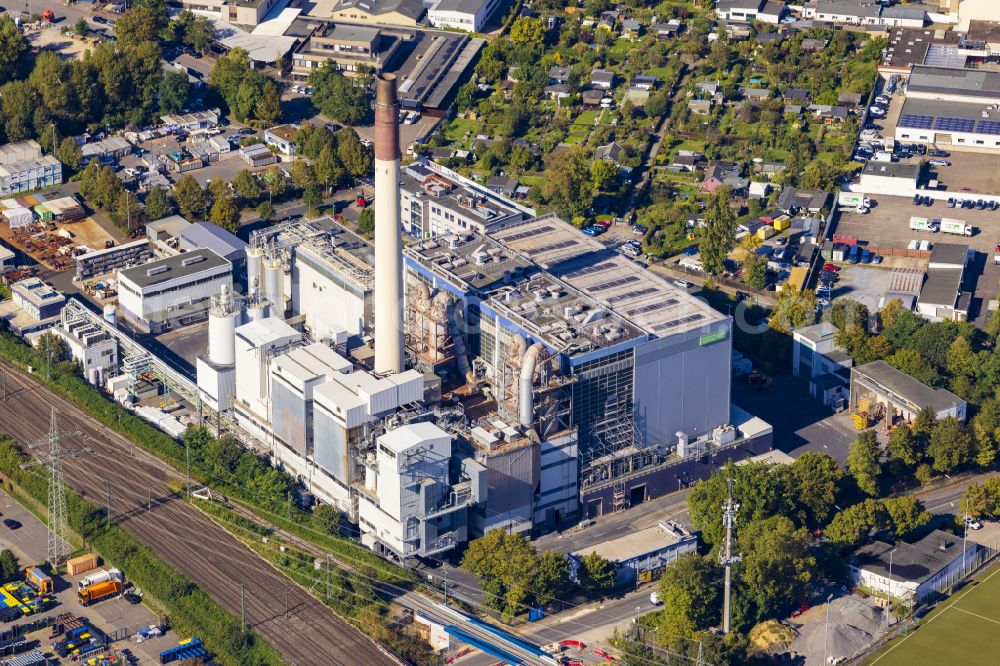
(255, 257)
(221, 337)
(274, 286)
(111, 315)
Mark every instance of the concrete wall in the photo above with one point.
(328, 302)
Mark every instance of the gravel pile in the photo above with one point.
(854, 625)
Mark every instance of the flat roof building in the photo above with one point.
(39, 299)
(172, 291)
(469, 15)
(23, 168)
(347, 47)
(405, 13)
(932, 565)
(643, 554)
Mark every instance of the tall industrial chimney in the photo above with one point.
(388, 243)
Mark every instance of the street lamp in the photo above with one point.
(888, 592)
(826, 632)
(965, 535)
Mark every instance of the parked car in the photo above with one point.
(639, 229)
(100, 19)
(993, 204)
(882, 99)
(866, 257)
(951, 202)
(939, 163)
(925, 246)
(938, 153)
(831, 267)
(11, 524)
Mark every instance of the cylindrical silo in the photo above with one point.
(257, 310)
(111, 315)
(255, 256)
(274, 286)
(221, 337)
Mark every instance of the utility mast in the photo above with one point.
(729, 510)
(49, 453)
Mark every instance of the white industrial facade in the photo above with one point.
(332, 300)
(174, 290)
(469, 15)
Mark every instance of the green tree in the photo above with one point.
(863, 461)
(961, 360)
(815, 481)
(139, 24)
(302, 174)
(190, 197)
(366, 222)
(527, 30)
(689, 590)
(10, 569)
(856, 524)
(794, 309)
(275, 183)
(777, 564)
(14, 49)
(950, 446)
(69, 153)
(596, 574)
(338, 97)
(246, 186)
(158, 204)
(506, 563)
(327, 519)
(200, 34)
(568, 186)
(329, 170)
(126, 210)
(312, 197)
(551, 577)
(845, 312)
(81, 27)
(912, 363)
(906, 515)
(175, 92)
(266, 211)
(225, 213)
(720, 232)
(755, 271)
(904, 447)
(357, 159)
(604, 176)
(18, 101)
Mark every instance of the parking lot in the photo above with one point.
(888, 225)
(970, 172)
(29, 543)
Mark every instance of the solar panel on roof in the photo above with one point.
(954, 124)
(913, 121)
(677, 322)
(652, 307)
(614, 283)
(988, 127)
(587, 270)
(631, 294)
(556, 246)
(528, 234)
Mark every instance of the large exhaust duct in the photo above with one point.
(525, 393)
(388, 243)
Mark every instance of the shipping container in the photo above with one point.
(39, 580)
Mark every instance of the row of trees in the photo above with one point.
(515, 577)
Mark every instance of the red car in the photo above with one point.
(831, 267)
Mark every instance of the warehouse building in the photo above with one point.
(942, 296)
(103, 262)
(38, 299)
(900, 394)
(889, 178)
(468, 15)
(171, 292)
(641, 556)
(405, 13)
(435, 200)
(210, 236)
(91, 346)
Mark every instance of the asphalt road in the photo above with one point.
(184, 537)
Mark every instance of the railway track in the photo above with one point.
(232, 574)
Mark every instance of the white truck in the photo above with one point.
(853, 200)
(957, 227)
(923, 224)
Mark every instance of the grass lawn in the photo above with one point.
(586, 118)
(962, 630)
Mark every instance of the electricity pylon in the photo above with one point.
(49, 454)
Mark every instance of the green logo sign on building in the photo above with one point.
(712, 338)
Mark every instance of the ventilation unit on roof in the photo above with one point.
(191, 261)
(156, 271)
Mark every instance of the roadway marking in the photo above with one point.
(955, 601)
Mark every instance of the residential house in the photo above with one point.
(559, 74)
(643, 82)
(667, 30)
(631, 29)
(769, 169)
(557, 91)
(796, 96)
(724, 174)
(602, 78)
(688, 163)
(701, 107)
(849, 99)
(592, 97)
(282, 138)
(614, 152)
(793, 199)
(755, 94)
(812, 45)
(829, 114)
(502, 185)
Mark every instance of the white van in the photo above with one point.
(654, 598)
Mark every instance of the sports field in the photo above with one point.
(963, 631)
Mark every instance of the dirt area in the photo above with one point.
(41, 242)
(854, 624)
(866, 284)
(69, 47)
